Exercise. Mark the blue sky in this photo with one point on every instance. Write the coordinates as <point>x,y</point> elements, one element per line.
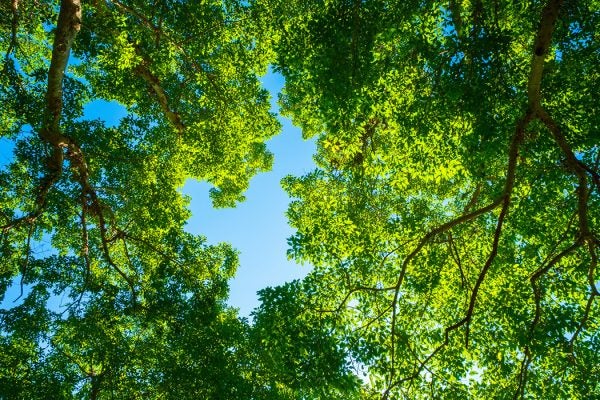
<point>257,228</point>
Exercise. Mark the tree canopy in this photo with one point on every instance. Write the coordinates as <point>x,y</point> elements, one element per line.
<point>146,317</point>
<point>452,221</point>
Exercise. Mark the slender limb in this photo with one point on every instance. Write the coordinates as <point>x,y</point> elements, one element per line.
<point>469,315</point>
<point>84,253</point>
<point>456,257</point>
<point>520,392</point>
<point>522,377</point>
<point>584,319</point>
<point>106,250</point>
<point>474,198</point>
<point>353,290</point>
<point>150,246</point>
<point>26,261</point>
<point>542,44</point>
<point>85,248</point>
<point>374,319</point>
<point>541,272</point>
<point>592,268</point>
<point>593,294</point>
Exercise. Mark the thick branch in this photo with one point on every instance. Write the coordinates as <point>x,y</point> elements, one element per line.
<point>575,167</point>
<point>541,47</point>
<point>14,8</point>
<point>67,27</point>
<point>143,70</point>
<point>159,32</point>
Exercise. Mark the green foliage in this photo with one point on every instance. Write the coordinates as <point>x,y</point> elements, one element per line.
<point>453,219</point>
<point>124,302</point>
<point>298,352</point>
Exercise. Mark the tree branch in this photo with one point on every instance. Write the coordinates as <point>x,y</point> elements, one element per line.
<point>26,261</point>
<point>584,319</point>
<point>542,44</point>
<point>541,272</point>
<point>592,268</point>
<point>456,257</point>
<point>523,374</point>
<point>143,70</point>
<point>574,165</point>
<point>14,7</point>
<point>67,27</point>
<point>160,32</point>
<point>503,199</point>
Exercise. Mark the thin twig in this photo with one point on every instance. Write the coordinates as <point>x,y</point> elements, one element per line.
<point>26,261</point>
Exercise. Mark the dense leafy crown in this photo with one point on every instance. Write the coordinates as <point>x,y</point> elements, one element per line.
<point>141,310</point>
<point>452,222</point>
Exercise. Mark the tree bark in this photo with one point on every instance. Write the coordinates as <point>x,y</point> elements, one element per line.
<point>67,27</point>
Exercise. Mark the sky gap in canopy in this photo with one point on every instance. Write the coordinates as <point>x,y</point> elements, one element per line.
<point>257,228</point>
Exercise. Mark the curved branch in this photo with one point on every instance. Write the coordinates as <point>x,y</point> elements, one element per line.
<point>592,171</point>
<point>542,44</point>
<point>67,27</point>
<point>541,272</point>
<point>484,270</point>
<point>143,70</point>
<point>574,165</point>
<point>503,199</point>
